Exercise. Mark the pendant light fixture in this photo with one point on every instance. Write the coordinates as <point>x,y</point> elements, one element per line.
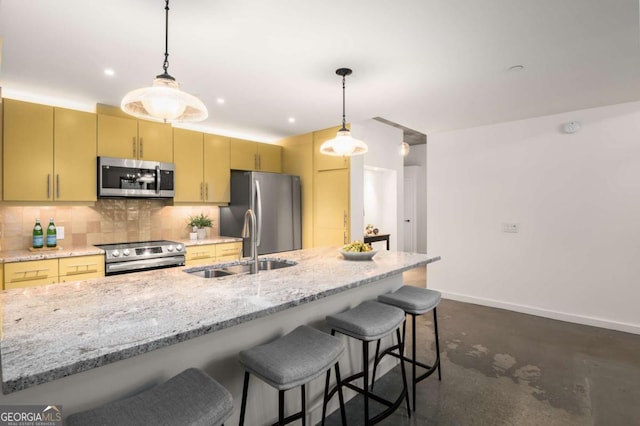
<point>343,145</point>
<point>164,101</point>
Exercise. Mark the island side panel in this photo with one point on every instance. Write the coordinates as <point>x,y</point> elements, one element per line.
<point>217,354</point>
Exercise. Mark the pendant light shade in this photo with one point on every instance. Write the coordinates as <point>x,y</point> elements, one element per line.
<point>164,101</point>
<point>343,145</point>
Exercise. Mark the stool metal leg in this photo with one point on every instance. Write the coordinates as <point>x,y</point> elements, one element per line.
<point>281,408</point>
<point>404,373</point>
<point>245,389</point>
<point>413,359</point>
<point>365,364</point>
<point>343,412</point>
<point>435,327</point>
<point>375,364</point>
<point>304,406</point>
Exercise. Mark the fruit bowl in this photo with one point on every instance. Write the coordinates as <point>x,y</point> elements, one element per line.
<point>355,255</point>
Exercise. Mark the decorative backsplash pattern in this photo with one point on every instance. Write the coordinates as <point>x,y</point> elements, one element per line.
<point>108,221</point>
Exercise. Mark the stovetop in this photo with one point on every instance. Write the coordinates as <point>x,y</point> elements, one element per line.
<point>121,252</point>
<point>137,244</point>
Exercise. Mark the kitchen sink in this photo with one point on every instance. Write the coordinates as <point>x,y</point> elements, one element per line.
<point>240,268</point>
<point>211,273</point>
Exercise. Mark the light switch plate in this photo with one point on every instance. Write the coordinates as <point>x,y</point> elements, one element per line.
<point>60,232</point>
<point>511,227</point>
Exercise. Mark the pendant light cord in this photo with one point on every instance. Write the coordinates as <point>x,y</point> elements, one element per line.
<point>165,65</point>
<point>344,121</point>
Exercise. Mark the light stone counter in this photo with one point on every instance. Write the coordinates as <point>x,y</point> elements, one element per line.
<point>65,338</point>
<point>59,330</point>
<point>210,240</point>
<point>27,255</point>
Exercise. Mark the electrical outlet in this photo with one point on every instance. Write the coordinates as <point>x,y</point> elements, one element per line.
<point>511,227</point>
<point>60,232</point>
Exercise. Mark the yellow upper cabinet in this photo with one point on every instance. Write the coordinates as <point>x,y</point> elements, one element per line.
<point>249,155</point>
<point>74,165</point>
<point>28,151</point>
<point>187,157</point>
<point>59,144</point>
<point>217,171</point>
<point>155,141</point>
<point>327,162</point>
<point>124,137</point>
<point>269,158</point>
<point>117,137</point>
<point>202,167</point>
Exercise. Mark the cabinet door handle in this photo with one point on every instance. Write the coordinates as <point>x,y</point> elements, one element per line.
<point>201,191</point>
<point>206,191</point>
<point>134,147</point>
<point>259,162</point>
<point>344,237</point>
<point>48,186</point>
<point>345,218</point>
<point>141,148</point>
<point>57,186</point>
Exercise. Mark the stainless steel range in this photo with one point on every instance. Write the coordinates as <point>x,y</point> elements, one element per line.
<point>141,256</point>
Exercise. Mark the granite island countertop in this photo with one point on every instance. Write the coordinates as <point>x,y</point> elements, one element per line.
<point>57,330</point>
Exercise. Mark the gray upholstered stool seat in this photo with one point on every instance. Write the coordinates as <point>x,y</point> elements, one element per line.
<point>291,361</point>
<point>190,398</point>
<point>413,300</point>
<point>368,321</point>
<point>294,359</point>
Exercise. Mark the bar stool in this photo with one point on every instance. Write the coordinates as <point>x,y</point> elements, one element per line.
<point>190,398</point>
<point>368,322</point>
<point>291,361</point>
<point>414,301</point>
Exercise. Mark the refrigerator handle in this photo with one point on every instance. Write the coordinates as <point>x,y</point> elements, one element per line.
<point>259,210</point>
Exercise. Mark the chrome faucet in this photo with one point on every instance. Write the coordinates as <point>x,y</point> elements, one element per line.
<point>250,232</point>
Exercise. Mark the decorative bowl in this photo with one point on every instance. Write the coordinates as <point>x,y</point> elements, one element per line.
<point>354,255</point>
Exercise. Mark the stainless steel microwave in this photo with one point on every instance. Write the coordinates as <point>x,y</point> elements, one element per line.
<point>120,177</point>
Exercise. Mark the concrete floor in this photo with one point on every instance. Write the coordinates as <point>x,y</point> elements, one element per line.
<point>506,368</point>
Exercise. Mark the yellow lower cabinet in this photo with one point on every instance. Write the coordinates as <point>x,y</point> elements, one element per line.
<point>81,268</point>
<point>31,273</point>
<point>2,275</point>
<point>200,254</point>
<point>228,252</point>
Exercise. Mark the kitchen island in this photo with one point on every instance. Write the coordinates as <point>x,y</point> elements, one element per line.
<point>158,323</point>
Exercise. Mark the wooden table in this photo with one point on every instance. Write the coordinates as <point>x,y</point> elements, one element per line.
<point>379,237</point>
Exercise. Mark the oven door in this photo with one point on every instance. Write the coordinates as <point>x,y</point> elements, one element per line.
<point>143,264</point>
<point>119,177</point>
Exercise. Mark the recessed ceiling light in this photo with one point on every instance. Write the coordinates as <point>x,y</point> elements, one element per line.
<point>292,120</point>
<point>516,68</point>
<point>220,101</point>
<point>109,72</point>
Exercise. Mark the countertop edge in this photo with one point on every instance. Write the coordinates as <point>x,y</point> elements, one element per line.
<point>88,364</point>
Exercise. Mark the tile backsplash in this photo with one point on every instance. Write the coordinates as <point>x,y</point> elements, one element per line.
<point>108,221</point>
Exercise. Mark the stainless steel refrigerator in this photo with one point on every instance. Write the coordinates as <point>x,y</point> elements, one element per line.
<point>275,199</point>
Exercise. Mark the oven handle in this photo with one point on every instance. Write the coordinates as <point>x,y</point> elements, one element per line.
<point>144,263</point>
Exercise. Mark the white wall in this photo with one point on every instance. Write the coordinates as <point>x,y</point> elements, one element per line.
<point>418,157</point>
<point>576,197</point>
<point>384,144</point>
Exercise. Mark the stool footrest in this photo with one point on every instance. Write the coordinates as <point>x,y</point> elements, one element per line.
<point>430,368</point>
<point>391,405</point>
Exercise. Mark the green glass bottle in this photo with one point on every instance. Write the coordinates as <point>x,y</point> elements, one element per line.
<point>52,237</point>
<point>37,235</point>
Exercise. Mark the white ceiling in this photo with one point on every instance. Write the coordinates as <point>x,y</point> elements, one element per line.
<point>430,65</point>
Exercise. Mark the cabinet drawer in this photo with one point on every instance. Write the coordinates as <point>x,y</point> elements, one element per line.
<point>228,251</point>
<point>201,252</point>
<point>81,265</point>
<point>30,274</point>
